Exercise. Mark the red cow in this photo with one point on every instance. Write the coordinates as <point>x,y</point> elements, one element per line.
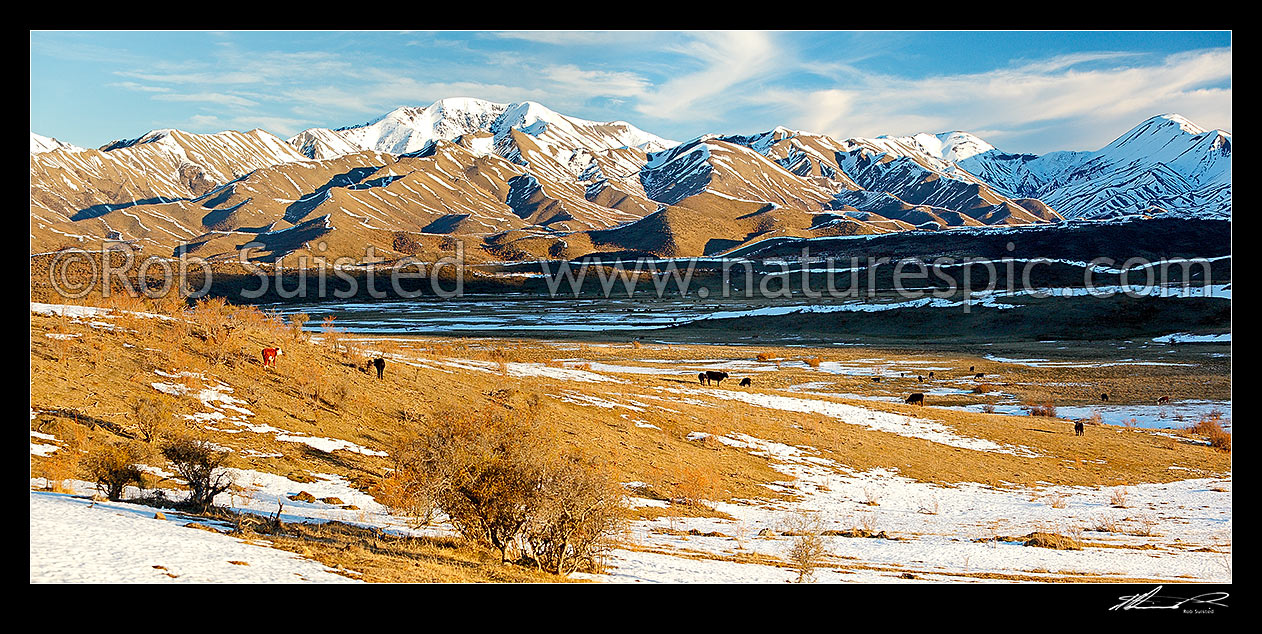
<point>269,356</point>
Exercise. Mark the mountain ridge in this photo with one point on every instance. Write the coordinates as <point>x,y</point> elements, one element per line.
<point>523,180</point>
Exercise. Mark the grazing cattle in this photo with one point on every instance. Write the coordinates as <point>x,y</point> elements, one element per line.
<point>931,374</point>
<point>702,379</point>
<point>920,378</point>
<point>1165,400</point>
<point>714,376</point>
<point>380,364</point>
<point>876,379</point>
<point>1104,397</point>
<point>269,356</point>
<point>978,375</point>
<point>1078,429</point>
<point>746,382</point>
<point>970,368</point>
<point>916,399</point>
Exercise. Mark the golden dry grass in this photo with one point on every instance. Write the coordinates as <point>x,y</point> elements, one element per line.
<point>86,386</point>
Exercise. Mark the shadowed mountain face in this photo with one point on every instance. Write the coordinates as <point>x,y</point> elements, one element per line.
<point>519,181</point>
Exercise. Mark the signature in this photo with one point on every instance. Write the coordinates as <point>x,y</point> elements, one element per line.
<point>1152,601</point>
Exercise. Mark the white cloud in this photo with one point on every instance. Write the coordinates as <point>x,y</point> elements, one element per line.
<point>1093,105</point>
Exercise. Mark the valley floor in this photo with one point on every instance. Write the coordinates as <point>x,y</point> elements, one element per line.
<point>716,477</point>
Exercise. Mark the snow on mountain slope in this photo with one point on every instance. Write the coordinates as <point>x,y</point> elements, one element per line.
<point>40,143</point>
<point>1165,161</point>
<point>411,129</point>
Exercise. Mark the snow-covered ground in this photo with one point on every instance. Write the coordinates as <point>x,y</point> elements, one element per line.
<point>940,533</point>
<point>74,540</point>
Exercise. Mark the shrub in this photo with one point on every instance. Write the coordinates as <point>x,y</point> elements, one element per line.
<point>579,513</point>
<point>296,322</point>
<point>203,465</point>
<point>813,362</point>
<point>484,470</point>
<point>1210,426</point>
<point>808,549</point>
<point>1046,409</point>
<point>1118,498</point>
<point>152,417</point>
<point>693,486</point>
<point>113,466</point>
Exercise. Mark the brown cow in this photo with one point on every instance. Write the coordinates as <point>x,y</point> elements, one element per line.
<point>380,364</point>
<point>916,399</point>
<point>269,356</point>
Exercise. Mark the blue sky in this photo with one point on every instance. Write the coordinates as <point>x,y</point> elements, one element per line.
<point>1022,91</point>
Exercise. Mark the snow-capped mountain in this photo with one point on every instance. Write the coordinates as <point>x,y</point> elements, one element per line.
<point>1166,161</point>
<point>410,129</point>
<point>40,143</point>
<point>522,181</point>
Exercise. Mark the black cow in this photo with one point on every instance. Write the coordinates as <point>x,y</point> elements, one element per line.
<point>1078,429</point>
<point>931,374</point>
<point>380,364</point>
<point>746,382</point>
<point>1104,397</point>
<point>978,375</point>
<point>970,368</point>
<point>714,376</point>
<point>916,399</point>
<point>876,379</point>
<point>920,378</point>
<point>702,379</point>
<point>1165,400</point>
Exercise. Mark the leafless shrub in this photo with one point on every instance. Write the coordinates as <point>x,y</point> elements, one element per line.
<point>1045,409</point>
<point>203,465</point>
<point>1118,498</point>
<point>152,417</point>
<point>1211,427</point>
<point>808,549</point>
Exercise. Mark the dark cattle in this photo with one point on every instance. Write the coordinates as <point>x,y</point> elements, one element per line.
<point>1104,397</point>
<point>746,382</point>
<point>931,375</point>
<point>876,379</point>
<point>1165,400</point>
<point>715,377</point>
<point>380,364</point>
<point>1078,429</point>
<point>978,375</point>
<point>920,378</point>
<point>916,399</point>
<point>970,368</point>
<point>702,379</point>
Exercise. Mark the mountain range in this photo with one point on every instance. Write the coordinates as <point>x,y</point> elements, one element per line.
<point>520,181</point>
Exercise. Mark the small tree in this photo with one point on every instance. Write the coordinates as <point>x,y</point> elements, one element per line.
<point>203,465</point>
<point>113,466</point>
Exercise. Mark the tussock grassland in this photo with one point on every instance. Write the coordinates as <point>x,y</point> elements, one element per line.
<point>97,381</point>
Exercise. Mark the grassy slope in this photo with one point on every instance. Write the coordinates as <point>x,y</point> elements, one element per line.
<point>321,392</point>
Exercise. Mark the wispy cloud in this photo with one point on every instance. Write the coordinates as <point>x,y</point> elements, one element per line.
<point>1011,103</point>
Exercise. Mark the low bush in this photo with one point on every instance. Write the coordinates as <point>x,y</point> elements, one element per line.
<point>112,467</point>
